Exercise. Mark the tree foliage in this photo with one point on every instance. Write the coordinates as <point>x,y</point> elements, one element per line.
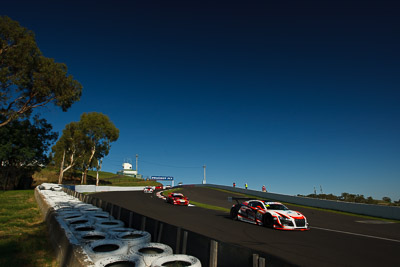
<point>84,143</point>
<point>23,150</point>
<point>28,79</point>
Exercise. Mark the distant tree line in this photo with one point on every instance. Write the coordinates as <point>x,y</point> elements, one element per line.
<point>356,198</point>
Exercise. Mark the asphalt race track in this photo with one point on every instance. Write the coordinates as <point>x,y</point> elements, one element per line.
<point>333,240</point>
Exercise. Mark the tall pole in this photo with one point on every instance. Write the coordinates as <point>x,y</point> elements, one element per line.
<point>137,156</point>
<point>204,180</point>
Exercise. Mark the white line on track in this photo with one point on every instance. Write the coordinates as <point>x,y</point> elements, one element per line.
<point>349,233</point>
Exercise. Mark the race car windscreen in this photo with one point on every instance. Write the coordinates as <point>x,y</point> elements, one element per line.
<point>275,206</point>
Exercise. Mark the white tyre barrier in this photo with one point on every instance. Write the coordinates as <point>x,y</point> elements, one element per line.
<point>134,238</point>
<point>69,214</point>
<point>151,251</point>
<point>66,209</point>
<point>106,241</point>
<point>83,206</point>
<point>46,186</point>
<point>117,230</point>
<point>80,229</point>
<point>62,206</point>
<point>106,248</point>
<point>120,261</point>
<point>91,209</point>
<point>56,188</point>
<point>108,224</point>
<point>82,220</point>
<point>89,237</point>
<point>100,216</point>
<point>176,260</point>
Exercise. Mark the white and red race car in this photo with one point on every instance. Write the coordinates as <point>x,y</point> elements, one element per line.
<point>148,189</point>
<point>270,214</point>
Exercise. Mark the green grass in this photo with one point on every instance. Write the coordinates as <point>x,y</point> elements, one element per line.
<point>23,234</point>
<point>166,192</point>
<point>210,207</point>
<point>50,175</point>
<point>102,175</point>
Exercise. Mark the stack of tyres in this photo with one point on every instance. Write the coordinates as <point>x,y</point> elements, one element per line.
<point>103,239</point>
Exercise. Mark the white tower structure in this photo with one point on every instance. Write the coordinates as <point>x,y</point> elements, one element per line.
<point>127,169</point>
<point>204,179</point>
<point>137,156</point>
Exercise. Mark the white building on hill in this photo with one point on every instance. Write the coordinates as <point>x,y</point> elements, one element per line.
<point>127,170</point>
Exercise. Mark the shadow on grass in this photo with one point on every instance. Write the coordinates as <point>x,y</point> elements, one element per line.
<point>27,249</point>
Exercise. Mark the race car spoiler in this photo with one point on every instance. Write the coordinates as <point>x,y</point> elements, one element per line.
<point>237,199</point>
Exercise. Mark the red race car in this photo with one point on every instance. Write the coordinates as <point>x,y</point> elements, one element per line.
<point>177,199</point>
<point>159,187</point>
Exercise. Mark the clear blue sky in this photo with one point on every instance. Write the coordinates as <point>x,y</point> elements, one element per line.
<point>288,94</point>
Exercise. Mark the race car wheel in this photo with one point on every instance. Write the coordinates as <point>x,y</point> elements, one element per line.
<point>234,213</point>
<point>268,221</point>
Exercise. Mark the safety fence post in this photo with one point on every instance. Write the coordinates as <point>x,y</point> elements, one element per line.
<point>160,229</point>
<point>130,219</point>
<point>143,226</point>
<point>213,254</point>
<point>261,262</point>
<point>255,260</point>
<point>184,242</point>
<point>178,240</point>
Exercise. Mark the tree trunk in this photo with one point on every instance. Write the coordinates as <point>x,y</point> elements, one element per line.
<point>83,174</point>
<point>72,162</point>
<point>98,169</point>
<point>88,165</point>
<point>5,179</point>
<point>61,170</point>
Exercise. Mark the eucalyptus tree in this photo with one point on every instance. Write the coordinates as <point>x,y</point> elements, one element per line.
<point>27,78</point>
<point>84,143</point>
<point>100,132</point>
<point>69,149</point>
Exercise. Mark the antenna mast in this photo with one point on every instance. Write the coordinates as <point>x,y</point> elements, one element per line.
<point>204,180</point>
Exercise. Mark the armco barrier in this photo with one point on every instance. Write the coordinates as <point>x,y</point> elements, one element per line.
<point>210,252</point>
<point>388,212</point>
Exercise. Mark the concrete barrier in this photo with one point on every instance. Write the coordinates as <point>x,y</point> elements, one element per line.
<point>93,188</point>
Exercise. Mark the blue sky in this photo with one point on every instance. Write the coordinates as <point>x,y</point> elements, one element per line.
<point>288,94</point>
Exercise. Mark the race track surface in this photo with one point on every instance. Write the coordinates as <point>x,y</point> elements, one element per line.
<point>333,240</point>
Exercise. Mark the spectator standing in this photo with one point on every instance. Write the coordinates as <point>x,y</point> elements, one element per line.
<point>245,185</point>
<point>234,184</point>
<point>264,189</point>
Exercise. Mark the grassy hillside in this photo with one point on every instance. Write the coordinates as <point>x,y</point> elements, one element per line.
<point>50,175</point>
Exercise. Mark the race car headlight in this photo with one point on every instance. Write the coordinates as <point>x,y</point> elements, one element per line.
<point>285,221</point>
